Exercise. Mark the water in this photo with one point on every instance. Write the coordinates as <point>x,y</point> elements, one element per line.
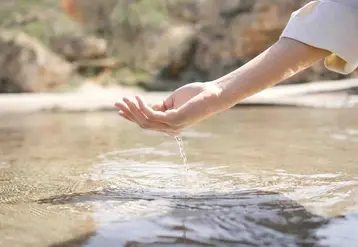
<point>258,177</point>
<point>180,142</point>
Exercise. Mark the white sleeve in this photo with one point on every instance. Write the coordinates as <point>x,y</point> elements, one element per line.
<point>331,26</point>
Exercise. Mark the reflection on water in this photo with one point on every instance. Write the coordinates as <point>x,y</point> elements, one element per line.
<point>258,177</point>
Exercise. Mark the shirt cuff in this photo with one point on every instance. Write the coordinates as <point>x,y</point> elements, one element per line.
<point>331,26</point>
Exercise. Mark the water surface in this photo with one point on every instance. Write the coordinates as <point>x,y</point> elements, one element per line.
<point>257,177</point>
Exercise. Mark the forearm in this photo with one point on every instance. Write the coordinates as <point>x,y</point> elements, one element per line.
<point>281,61</point>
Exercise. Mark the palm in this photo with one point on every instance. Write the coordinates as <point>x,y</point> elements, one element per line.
<point>164,116</point>
<point>183,95</point>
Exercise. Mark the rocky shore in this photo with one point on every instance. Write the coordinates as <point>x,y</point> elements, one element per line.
<point>57,45</point>
<point>91,97</point>
<point>83,55</point>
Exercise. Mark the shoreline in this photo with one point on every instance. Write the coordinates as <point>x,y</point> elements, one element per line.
<point>91,97</point>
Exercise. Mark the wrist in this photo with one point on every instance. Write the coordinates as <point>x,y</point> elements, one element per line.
<point>225,92</point>
<point>213,97</point>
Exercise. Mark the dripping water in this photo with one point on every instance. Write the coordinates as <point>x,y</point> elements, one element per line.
<point>179,140</point>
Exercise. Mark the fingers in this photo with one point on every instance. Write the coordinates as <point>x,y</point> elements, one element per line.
<point>159,107</point>
<point>125,116</point>
<point>169,133</point>
<point>125,110</point>
<point>166,105</point>
<point>152,115</point>
<point>152,118</point>
<point>137,116</point>
<point>145,109</point>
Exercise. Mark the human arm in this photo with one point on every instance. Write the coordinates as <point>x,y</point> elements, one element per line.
<point>188,105</point>
<point>321,29</point>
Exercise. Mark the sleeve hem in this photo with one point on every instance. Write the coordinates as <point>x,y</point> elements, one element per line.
<point>330,26</point>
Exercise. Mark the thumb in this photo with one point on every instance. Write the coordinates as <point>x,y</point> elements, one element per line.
<point>165,105</point>
<point>159,107</point>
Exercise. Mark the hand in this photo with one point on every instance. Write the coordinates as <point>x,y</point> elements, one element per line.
<point>186,106</point>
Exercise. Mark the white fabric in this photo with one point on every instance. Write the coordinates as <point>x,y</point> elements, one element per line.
<point>351,3</point>
<point>331,25</point>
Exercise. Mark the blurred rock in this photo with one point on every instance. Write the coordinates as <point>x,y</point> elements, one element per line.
<point>93,14</point>
<point>173,53</point>
<point>28,66</point>
<point>222,36</point>
<point>229,34</point>
<point>233,32</point>
<point>75,48</point>
<point>159,45</point>
<point>174,48</point>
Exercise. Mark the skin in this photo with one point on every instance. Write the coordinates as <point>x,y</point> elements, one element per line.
<point>195,102</point>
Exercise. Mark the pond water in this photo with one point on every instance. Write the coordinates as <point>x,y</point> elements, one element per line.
<point>256,177</point>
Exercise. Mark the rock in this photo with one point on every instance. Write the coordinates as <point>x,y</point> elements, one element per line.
<point>236,31</point>
<point>173,50</point>
<point>93,14</point>
<point>75,48</point>
<point>169,57</point>
<point>28,66</point>
<point>20,20</point>
<point>197,40</point>
<point>222,35</point>
<point>228,34</point>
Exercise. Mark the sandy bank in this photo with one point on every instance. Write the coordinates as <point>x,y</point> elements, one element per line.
<point>90,97</point>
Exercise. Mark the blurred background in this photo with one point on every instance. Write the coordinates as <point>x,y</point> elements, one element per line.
<point>156,45</point>
<point>277,176</point>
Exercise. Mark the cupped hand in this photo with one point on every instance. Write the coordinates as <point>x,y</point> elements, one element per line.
<point>185,107</point>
